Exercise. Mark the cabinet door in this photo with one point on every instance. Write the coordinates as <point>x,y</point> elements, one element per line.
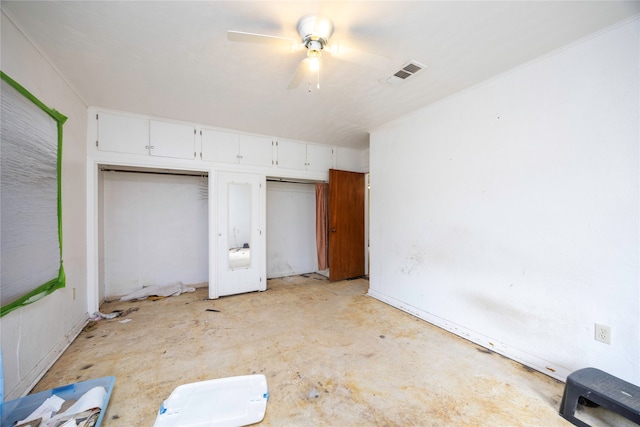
<point>218,146</point>
<point>172,140</point>
<point>319,158</point>
<point>292,155</point>
<point>256,150</point>
<point>122,134</point>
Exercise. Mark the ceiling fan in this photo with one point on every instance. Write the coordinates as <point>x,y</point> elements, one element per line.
<point>315,32</point>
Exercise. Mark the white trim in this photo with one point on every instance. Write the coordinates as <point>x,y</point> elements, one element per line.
<point>213,230</point>
<point>93,302</point>
<point>529,360</point>
<point>93,238</point>
<point>29,381</point>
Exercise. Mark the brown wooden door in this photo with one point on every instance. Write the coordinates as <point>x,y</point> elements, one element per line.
<point>346,224</point>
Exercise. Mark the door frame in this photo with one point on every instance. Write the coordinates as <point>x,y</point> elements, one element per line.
<point>94,296</point>
<point>367,190</point>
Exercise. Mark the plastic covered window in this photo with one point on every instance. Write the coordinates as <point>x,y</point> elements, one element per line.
<point>30,226</point>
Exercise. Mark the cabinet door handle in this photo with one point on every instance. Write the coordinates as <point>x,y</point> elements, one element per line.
<point>333,230</point>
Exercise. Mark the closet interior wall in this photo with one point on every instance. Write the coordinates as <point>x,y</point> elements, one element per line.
<point>153,229</point>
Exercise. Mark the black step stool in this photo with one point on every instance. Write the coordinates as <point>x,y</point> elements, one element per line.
<point>603,389</point>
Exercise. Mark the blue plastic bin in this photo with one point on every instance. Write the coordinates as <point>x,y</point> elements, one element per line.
<point>19,409</point>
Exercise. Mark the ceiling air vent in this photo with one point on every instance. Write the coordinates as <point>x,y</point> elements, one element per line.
<point>408,70</point>
<point>402,74</point>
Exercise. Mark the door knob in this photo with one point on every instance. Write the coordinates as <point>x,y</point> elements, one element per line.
<point>333,230</point>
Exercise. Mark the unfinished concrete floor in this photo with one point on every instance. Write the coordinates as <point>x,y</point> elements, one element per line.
<point>332,357</point>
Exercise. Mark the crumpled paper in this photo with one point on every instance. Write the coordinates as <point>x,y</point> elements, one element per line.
<point>170,290</point>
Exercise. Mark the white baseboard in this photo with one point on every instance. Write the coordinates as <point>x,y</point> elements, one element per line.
<point>530,360</point>
<point>31,379</point>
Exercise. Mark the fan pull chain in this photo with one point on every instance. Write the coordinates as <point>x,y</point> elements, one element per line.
<point>317,82</point>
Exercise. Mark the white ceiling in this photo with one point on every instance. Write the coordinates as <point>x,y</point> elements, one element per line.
<point>173,59</point>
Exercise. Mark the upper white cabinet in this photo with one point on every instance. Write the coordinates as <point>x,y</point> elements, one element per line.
<point>227,147</point>
<point>319,158</point>
<point>218,146</point>
<point>122,134</point>
<point>134,135</point>
<point>292,155</point>
<point>172,140</point>
<point>301,156</point>
<point>256,150</point>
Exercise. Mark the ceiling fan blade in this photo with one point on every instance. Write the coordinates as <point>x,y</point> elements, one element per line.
<point>241,36</point>
<point>359,57</point>
<point>301,71</point>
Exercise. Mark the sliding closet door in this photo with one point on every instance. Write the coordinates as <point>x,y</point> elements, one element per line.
<point>241,209</point>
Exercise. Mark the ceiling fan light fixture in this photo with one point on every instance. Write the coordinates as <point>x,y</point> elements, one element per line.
<point>314,63</point>
<point>324,27</point>
<point>314,49</point>
<point>315,32</point>
<point>313,28</point>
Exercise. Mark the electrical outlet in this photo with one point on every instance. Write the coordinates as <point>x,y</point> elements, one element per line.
<point>603,334</point>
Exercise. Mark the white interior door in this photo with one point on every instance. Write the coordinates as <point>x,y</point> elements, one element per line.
<point>241,207</point>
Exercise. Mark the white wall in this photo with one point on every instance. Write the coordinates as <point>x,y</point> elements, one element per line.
<point>291,225</point>
<point>352,160</point>
<point>509,213</point>
<point>155,231</point>
<point>34,336</point>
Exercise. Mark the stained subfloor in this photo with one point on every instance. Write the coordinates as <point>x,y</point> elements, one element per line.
<point>332,357</point>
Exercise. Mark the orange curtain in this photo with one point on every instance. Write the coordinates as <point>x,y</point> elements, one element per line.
<point>322,224</point>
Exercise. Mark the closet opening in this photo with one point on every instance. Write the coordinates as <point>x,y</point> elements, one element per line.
<point>156,226</point>
<point>153,229</point>
<point>291,228</point>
